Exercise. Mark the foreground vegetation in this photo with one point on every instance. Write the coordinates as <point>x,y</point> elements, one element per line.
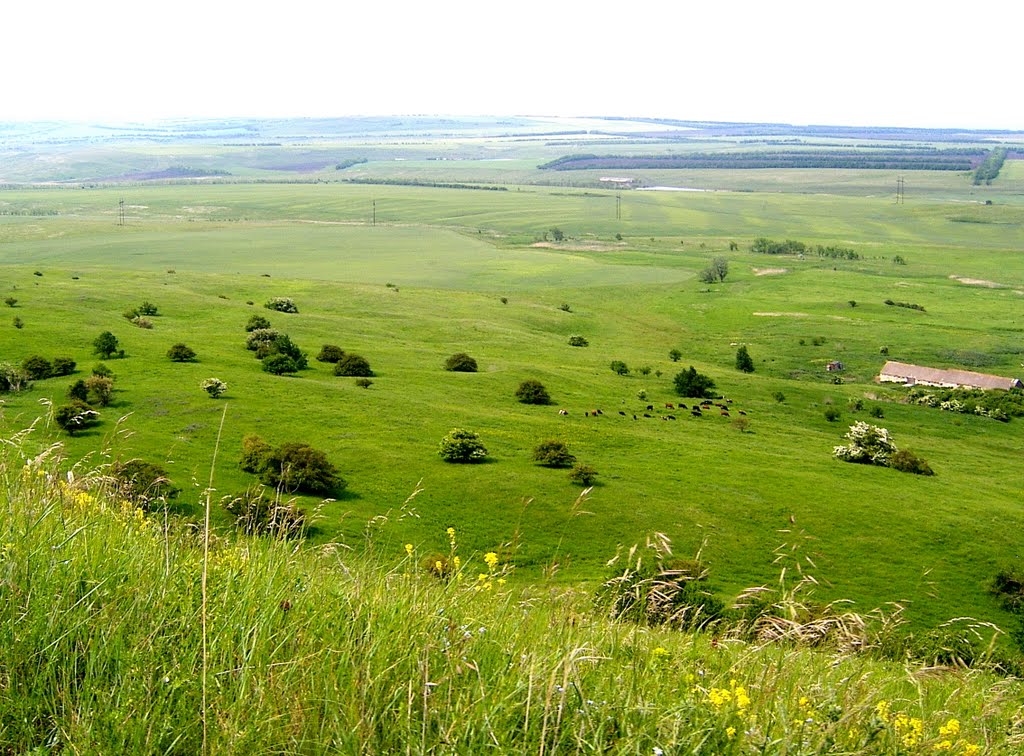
<point>128,632</point>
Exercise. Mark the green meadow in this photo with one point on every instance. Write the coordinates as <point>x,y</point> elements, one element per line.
<point>407,276</point>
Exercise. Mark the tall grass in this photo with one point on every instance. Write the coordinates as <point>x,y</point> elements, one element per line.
<point>317,650</point>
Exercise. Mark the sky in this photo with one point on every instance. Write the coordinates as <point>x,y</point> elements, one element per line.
<point>895,63</point>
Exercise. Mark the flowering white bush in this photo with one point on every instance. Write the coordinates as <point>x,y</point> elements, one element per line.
<point>215,387</point>
<point>281,304</point>
<point>869,445</point>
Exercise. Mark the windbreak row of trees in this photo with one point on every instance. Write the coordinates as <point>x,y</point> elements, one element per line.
<point>989,169</point>
<point>957,159</point>
<point>765,246</point>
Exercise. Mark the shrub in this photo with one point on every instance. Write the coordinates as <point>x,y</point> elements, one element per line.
<point>257,322</point>
<point>259,337</point>
<point>619,367</point>
<point>504,300</point>
<point>18,322</point>
<point>100,389</point>
<point>281,304</point>
<point>75,416</point>
<point>181,353</point>
<point>675,355</point>
<point>330,353</point>
<point>10,301</point>
<point>460,362</point>
<point>532,391</point>
<point>37,368</point>
<point>142,322</point>
<point>779,397</point>
<point>215,387</point>
<point>13,378</point>
<point>876,411</point>
<point>831,414</point>
<point>557,234</point>
<point>461,446</point>
<point>564,307</point>
<point>578,341</point>
<point>63,366</point>
<point>102,370</point>
<point>105,345</point>
<point>279,364</point>
<point>256,513</point>
<point>869,444</point>
<point>353,365</point>
<point>644,370</point>
<point>291,467</point>
<point>78,391</point>
<point>583,475</point>
<point>284,345</point>
<point>907,461</point>
<point>142,482</point>
<point>364,383</point>
<point>694,384</point>
<point>147,308</point>
<point>744,362</point>
<point>553,453</point>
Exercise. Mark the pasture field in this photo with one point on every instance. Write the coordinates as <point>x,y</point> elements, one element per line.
<point>203,253</point>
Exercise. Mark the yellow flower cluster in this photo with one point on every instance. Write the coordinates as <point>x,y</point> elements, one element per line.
<point>491,559</point>
<point>451,536</point>
<point>908,729</point>
<point>735,694</point>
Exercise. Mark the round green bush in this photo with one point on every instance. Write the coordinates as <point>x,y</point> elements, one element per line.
<point>461,446</point>
<point>460,362</point>
<point>532,391</point>
<point>181,353</point>
<point>279,364</point>
<point>553,453</point>
<point>354,366</point>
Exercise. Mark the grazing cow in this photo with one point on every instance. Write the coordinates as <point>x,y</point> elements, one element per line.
<point>695,412</point>
<point>724,413</point>
<point>670,406</point>
<point>622,413</point>
<point>650,407</point>
<point>728,401</point>
<point>671,417</point>
<point>646,415</point>
<point>634,417</point>
<point>597,412</point>
<point>683,406</point>
<point>743,413</point>
<point>563,412</point>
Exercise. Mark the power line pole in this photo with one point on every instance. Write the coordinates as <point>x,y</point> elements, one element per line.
<point>374,213</point>
<point>899,191</point>
<point>120,212</point>
<point>618,207</point>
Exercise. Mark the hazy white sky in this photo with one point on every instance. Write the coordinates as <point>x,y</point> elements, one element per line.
<point>894,63</point>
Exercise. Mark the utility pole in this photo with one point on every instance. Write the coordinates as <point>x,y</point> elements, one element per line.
<point>120,212</point>
<point>618,207</point>
<point>899,191</point>
<point>374,213</point>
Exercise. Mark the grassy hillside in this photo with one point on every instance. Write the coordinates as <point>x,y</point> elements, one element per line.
<point>450,255</point>
<point>122,632</point>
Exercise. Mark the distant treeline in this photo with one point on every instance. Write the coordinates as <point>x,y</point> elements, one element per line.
<point>991,166</point>
<point>921,159</point>
<point>790,247</point>
<point>418,182</point>
<point>349,163</point>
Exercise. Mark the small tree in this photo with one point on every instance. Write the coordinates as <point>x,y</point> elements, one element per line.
<point>38,368</point>
<point>675,355</point>
<point>100,389</point>
<point>330,353</point>
<point>694,384</point>
<point>583,475</point>
<point>532,391</point>
<point>716,271</point>
<point>75,416</point>
<point>578,341</point>
<point>105,345</point>
<point>295,467</point>
<point>181,353</point>
<point>744,362</point>
<point>461,446</point>
<point>553,453</point>
<point>460,362</point>
<point>13,378</point>
<point>556,234</point>
<point>147,308</point>
<point>102,370</point>
<point>353,365</point>
<point>619,367</point>
<point>215,387</point>
<point>10,301</point>
<point>143,483</point>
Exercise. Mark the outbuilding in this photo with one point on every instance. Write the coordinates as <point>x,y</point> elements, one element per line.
<point>917,375</point>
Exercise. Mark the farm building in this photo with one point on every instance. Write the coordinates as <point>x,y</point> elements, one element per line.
<point>916,375</point>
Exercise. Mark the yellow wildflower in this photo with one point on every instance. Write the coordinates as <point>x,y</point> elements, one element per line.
<point>730,732</point>
<point>882,709</point>
<point>950,729</point>
<point>971,750</point>
<point>805,702</point>
<point>742,699</point>
<point>458,562</point>
<point>451,536</point>
<point>719,696</point>
<point>438,566</point>
<point>908,729</point>
<point>491,559</point>
<point>945,745</point>
<point>502,581</point>
<point>408,549</point>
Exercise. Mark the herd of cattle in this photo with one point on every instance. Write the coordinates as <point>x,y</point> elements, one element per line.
<point>697,410</point>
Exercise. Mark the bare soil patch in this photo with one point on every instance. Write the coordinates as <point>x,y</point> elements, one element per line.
<point>577,247</point>
<point>979,282</point>
<point>769,271</point>
<point>781,314</point>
